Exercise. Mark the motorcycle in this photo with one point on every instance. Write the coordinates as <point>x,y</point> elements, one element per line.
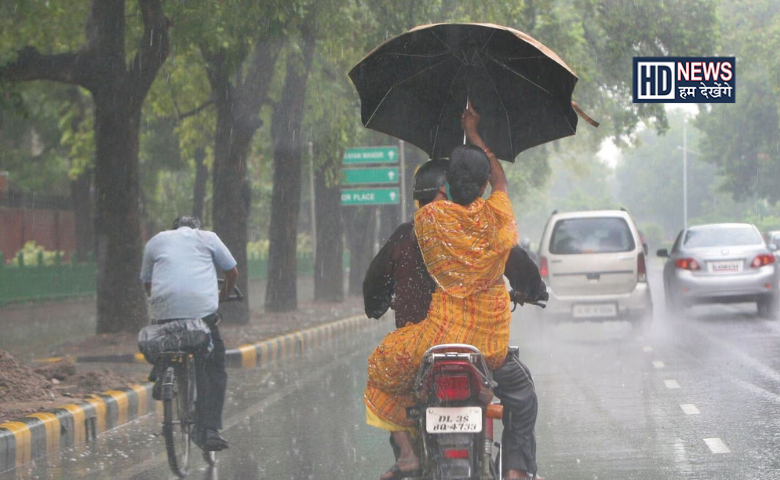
<point>455,412</point>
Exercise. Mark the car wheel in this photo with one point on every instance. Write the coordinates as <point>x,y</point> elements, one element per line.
<point>768,307</point>
<point>674,304</point>
<point>641,323</point>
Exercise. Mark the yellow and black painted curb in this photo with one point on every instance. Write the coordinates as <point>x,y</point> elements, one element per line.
<point>253,354</point>
<point>294,343</point>
<point>42,433</point>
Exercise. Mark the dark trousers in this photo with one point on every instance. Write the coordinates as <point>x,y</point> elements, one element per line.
<point>211,380</point>
<point>516,391</point>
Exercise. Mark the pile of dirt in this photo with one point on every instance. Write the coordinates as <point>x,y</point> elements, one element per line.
<point>58,370</point>
<point>24,390</point>
<point>96,381</point>
<point>20,383</point>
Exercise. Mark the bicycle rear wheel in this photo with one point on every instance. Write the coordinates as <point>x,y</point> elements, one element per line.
<point>177,424</point>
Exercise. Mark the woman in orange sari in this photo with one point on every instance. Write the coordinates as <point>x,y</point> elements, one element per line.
<point>465,244</point>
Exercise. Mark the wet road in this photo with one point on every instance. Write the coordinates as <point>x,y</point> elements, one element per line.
<point>696,397</point>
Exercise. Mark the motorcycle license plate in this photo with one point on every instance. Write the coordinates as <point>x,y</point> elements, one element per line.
<point>453,419</point>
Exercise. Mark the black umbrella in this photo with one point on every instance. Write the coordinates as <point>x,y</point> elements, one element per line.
<point>416,85</point>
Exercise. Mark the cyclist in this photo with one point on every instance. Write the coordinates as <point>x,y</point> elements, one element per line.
<point>179,272</point>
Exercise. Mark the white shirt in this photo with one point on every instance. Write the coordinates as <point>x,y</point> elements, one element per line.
<point>180,265</point>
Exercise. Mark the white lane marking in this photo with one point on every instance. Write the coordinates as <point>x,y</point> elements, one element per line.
<point>647,349</point>
<point>690,409</point>
<point>716,445</point>
<point>659,364</point>
<point>671,384</point>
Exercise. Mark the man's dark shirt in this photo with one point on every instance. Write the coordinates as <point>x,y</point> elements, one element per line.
<point>398,277</point>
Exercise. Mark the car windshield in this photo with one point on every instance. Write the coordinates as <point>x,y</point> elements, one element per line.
<point>721,237</point>
<point>591,235</point>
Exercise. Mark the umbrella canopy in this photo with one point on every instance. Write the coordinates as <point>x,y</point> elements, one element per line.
<point>415,86</point>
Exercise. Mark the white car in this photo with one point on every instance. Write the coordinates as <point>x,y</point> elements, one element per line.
<point>594,266</point>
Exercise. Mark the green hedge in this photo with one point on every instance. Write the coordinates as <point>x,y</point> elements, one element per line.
<point>52,282</point>
<point>24,284</point>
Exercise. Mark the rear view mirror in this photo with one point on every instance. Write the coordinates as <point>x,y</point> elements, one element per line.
<point>662,253</point>
<point>772,247</point>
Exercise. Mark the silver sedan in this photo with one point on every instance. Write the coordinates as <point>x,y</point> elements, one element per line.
<point>721,263</point>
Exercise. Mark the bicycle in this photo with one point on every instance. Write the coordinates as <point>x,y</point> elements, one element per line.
<point>179,396</point>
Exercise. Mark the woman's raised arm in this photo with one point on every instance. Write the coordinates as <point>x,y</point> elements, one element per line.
<point>470,121</point>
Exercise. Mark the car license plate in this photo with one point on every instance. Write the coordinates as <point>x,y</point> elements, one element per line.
<point>595,310</point>
<point>725,267</point>
<point>453,419</point>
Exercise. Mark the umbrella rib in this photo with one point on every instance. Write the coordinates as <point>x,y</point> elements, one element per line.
<point>400,83</point>
<point>441,112</point>
<point>544,57</point>
<point>418,56</point>
<point>484,46</point>
<point>506,113</point>
<point>573,129</point>
<point>495,60</point>
<point>440,40</point>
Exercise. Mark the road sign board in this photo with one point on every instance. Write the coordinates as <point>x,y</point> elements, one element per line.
<point>356,176</point>
<point>371,155</point>
<point>370,196</point>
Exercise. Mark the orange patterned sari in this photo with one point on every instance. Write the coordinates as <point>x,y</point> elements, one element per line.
<point>465,250</point>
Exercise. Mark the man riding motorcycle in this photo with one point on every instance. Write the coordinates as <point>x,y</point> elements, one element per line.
<point>398,278</point>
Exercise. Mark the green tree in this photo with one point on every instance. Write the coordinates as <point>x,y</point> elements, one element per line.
<point>740,139</point>
<point>97,60</point>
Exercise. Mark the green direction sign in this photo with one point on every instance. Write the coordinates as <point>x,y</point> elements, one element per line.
<point>356,176</point>
<point>370,196</point>
<point>371,155</point>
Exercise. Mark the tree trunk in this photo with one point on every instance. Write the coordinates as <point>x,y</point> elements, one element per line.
<point>238,107</point>
<point>81,203</point>
<point>201,178</point>
<point>361,228</point>
<point>287,120</point>
<point>121,303</point>
<point>329,261</point>
<point>230,209</point>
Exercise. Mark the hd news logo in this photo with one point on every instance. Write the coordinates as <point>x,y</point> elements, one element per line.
<point>684,80</point>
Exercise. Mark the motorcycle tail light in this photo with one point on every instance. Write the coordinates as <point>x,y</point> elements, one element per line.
<point>762,260</point>
<point>452,453</point>
<point>453,387</point>
<point>495,411</point>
